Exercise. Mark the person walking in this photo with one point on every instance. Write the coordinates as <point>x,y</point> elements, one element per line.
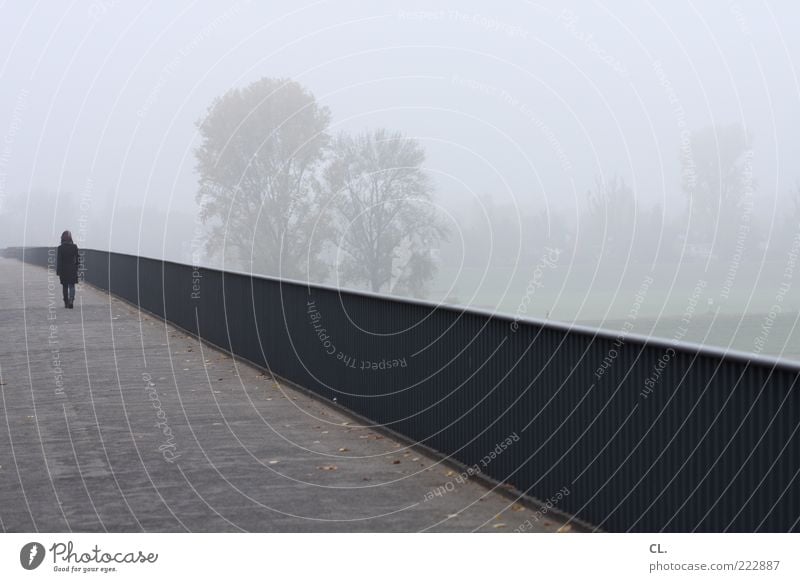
<point>67,267</point>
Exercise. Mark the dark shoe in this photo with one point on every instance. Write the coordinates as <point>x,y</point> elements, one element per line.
<point>70,305</point>
<point>66,303</point>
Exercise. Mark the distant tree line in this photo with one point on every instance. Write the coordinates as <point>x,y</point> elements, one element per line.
<point>612,226</point>
<point>281,195</point>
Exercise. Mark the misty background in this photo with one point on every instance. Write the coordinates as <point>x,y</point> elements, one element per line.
<point>627,165</point>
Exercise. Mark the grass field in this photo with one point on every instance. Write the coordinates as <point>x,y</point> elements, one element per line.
<point>750,307</point>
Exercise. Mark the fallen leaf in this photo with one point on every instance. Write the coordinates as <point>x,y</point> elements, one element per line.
<point>499,525</point>
<point>328,468</point>
<point>343,450</point>
<point>564,528</point>
<point>396,462</point>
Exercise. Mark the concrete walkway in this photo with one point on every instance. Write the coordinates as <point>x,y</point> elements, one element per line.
<point>111,420</point>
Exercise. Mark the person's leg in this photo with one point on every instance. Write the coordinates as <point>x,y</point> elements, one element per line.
<point>71,293</point>
<point>64,292</point>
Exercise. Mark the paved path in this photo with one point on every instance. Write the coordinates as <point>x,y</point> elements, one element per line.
<point>111,420</point>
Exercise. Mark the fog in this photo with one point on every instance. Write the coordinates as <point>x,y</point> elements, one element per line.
<point>631,165</point>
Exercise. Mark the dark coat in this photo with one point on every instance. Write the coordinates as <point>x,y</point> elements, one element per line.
<point>67,263</point>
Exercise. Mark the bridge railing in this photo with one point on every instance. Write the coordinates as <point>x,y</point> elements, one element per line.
<point>627,433</point>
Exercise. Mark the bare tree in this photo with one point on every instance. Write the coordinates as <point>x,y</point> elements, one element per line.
<point>382,198</point>
<point>260,161</point>
<point>716,176</point>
